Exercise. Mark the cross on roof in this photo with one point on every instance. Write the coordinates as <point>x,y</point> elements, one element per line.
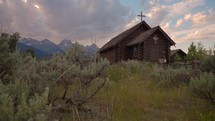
<point>141,16</point>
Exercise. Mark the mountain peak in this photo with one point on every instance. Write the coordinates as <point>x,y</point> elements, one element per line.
<point>44,45</point>
<point>49,47</point>
<point>46,41</point>
<point>92,48</point>
<point>64,44</point>
<point>94,45</point>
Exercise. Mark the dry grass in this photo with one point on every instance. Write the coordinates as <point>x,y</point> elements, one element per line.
<point>136,97</point>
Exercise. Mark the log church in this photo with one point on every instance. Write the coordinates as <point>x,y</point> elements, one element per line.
<point>140,42</point>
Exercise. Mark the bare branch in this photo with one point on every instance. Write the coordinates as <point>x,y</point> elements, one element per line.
<point>66,87</point>
<point>99,72</point>
<point>79,62</point>
<point>63,74</point>
<point>94,93</point>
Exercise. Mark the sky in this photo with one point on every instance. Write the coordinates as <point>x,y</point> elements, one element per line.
<point>97,21</point>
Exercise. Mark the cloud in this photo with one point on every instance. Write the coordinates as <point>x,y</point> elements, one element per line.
<point>59,19</point>
<point>203,18</point>
<point>131,23</point>
<point>100,20</point>
<point>84,17</point>
<point>182,21</point>
<point>159,13</point>
<point>23,17</point>
<point>183,7</point>
<point>198,19</point>
<point>179,22</point>
<point>148,4</point>
<point>195,34</point>
<point>6,17</point>
<point>166,26</point>
<point>187,16</point>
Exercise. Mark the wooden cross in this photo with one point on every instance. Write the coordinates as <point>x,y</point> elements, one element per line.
<point>155,38</point>
<point>141,16</point>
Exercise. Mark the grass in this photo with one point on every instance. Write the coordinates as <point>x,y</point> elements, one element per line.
<point>136,97</point>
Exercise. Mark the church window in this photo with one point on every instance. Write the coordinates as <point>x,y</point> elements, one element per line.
<point>134,52</point>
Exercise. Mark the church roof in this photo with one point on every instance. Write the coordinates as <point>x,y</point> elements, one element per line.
<point>113,42</point>
<point>143,36</point>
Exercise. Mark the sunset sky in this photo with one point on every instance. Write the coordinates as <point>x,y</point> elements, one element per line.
<point>88,21</point>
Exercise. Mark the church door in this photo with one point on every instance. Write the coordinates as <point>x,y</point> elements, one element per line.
<point>155,53</point>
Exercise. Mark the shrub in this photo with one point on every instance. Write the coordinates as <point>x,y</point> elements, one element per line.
<point>208,64</point>
<point>129,68</point>
<point>17,101</point>
<point>173,77</point>
<point>134,67</point>
<point>204,86</point>
<point>16,104</point>
<point>8,58</point>
<point>116,72</point>
<point>76,78</point>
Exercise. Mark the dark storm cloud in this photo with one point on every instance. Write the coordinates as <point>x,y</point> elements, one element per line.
<point>58,19</point>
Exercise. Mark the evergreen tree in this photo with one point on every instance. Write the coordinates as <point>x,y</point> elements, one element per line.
<point>196,52</point>
<point>201,51</point>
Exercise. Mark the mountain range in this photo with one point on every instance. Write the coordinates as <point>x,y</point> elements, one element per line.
<point>46,48</point>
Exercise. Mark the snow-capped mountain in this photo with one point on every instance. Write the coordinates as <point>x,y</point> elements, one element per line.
<point>38,53</point>
<point>45,45</point>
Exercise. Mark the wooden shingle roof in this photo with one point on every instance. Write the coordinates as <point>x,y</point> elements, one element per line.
<point>113,42</point>
<point>143,36</point>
